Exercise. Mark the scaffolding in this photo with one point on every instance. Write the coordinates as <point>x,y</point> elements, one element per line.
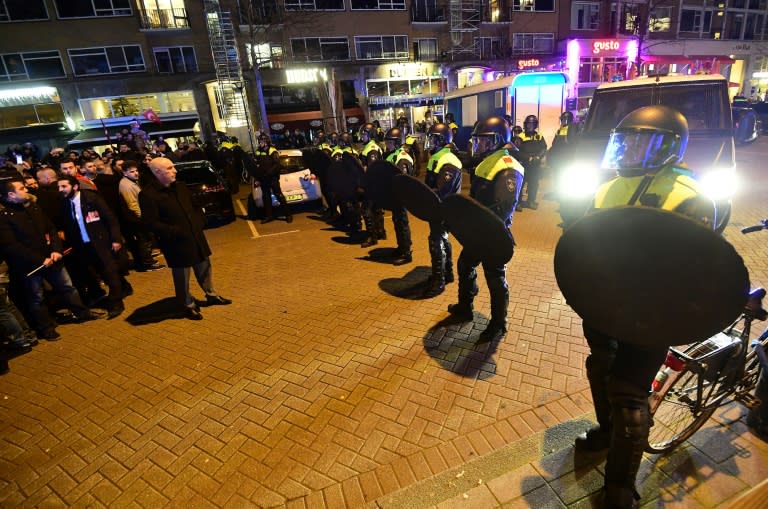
<point>465,17</point>
<point>230,90</point>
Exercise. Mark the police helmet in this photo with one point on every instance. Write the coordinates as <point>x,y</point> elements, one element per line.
<point>264,140</point>
<point>367,129</point>
<point>449,117</point>
<point>490,135</point>
<point>393,139</point>
<point>333,139</point>
<point>517,130</point>
<point>566,118</point>
<point>530,124</point>
<point>439,135</point>
<point>345,140</point>
<point>646,140</point>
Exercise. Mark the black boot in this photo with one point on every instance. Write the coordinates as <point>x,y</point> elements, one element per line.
<point>370,241</point>
<point>462,311</point>
<point>448,260</point>
<point>493,332</point>
<point>436,282</point>
<point>401,258</point>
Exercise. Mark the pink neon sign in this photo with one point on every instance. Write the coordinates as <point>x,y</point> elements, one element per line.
<point>600,46</point>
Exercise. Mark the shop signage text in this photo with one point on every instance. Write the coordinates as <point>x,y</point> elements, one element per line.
<point>305,75</point>
<point>600,46</point>
<point>407,72</point>
<point>527,64</point>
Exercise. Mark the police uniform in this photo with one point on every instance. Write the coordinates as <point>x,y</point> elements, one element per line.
<point>404,162</point>
<point>496,184</point>
<point>268,161</point>
<point>443,175</point>
<point>532,149</point>
<point>620,373</point>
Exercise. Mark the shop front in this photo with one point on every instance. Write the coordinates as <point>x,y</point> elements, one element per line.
<point>33,114</point>
<point>406,95</point>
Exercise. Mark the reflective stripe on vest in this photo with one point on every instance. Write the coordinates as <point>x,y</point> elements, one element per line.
<point>496,162</point>
<point>371,145</point>
<point>442,157</point>
<point>269,152</point>
<point>672,185</point>
<point>530,137</point>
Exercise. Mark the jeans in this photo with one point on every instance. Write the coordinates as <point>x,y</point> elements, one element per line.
<point>58,277</point>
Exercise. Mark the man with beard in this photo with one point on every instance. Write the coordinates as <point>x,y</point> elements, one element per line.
<point>28,240</point>
<point>94,233</point>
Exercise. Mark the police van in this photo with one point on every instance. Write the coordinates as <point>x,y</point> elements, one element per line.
<point>702,99</point>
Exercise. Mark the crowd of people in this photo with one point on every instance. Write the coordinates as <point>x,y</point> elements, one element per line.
<point>75,223</point>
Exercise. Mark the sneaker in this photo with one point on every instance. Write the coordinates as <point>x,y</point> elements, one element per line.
<point>149,268</point>
<point>20,345</point>
<point>593,440</point>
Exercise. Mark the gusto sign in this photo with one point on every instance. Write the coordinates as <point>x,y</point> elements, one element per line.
<point>600,46</point>
<point>527,64</point>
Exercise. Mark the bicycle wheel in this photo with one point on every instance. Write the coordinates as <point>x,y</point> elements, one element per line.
<point>678,412</point>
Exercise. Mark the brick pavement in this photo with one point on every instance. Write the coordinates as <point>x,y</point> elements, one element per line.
<point>323,385</point>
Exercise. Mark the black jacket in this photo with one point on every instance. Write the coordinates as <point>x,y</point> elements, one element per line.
<point>100,222</point>
<point>27,237</point>
<point>169,213</point>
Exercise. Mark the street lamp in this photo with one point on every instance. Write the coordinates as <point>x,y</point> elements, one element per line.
<point>240,87</point>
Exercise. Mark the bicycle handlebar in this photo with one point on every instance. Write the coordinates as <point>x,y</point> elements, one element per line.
<point>762,226</point>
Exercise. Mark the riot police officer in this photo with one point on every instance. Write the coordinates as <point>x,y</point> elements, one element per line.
<point>443,176</point>
<point>398,154</point>
<point>645,149</point>
<point>496,183</point>
<point>517,131</point>
<point>558,151</point>
<point>532,150</point>
<point>268,164</point>
<point>452,125</point>
<point>373,215</point>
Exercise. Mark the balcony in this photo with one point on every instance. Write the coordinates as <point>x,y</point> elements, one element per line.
<point>162,19</point>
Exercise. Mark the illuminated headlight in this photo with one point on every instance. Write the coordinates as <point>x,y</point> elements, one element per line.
<point>578,181</point>
<point>719,184</point>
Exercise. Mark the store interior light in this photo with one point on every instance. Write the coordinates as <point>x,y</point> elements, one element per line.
<point>27,93</point>
<point>70,123</point>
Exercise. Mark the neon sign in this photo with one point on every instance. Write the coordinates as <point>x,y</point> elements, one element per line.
<point>599,46</point>
<point>526,64</point>
<point>305,75</point>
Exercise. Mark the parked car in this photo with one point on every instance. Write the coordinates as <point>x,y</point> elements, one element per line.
<point>209,190</point>
<point>761,109</point>
<point>298,183</point>
<point>746,123</point>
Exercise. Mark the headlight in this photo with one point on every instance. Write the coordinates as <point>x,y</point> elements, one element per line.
<point>719,184</point>
<point>578,181</point>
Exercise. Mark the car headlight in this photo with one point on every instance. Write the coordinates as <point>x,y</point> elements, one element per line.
<point>578,181</point>
<point>719,184</point>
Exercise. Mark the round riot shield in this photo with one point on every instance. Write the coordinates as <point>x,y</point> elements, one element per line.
<point>650,277</point>
<point>378,183</point>
<point>478,229</point>
<point>417,198</point>
<point>341,180</point>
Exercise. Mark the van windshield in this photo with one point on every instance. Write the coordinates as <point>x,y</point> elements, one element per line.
<point>701,104</point>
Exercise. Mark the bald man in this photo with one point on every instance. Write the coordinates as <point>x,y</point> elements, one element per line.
<point>167,210</point>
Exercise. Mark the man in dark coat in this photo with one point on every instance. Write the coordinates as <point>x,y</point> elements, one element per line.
<point>92,229</point>
<point>167,210</point>
<point>28,241</point>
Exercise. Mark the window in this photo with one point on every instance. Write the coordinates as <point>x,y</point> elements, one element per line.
<point>22,10</point>
<point>129,105</point>
<point>175,59</point>
<point>533,5</point>
<point>533,43</point>
<point>661,19</point>
<point>267,55</point>
<point>389,5</point>
<point>163,14</point>
<point>91,8</point>
<point>425,49</point>
<point>585,16</point>
<point>31,66</point>
<point>112,59</point>
<point>489,47</point>
<point>381,47</point>
<point>630,19</point>
<point>320,49</point>
<point>734,24</point>
<point>259,12</point>
<point>754,27</point>
<point>427,11</point>
<point>596,70</point>
<point>314,5</point>
<point>497,11</point>
<point>695,20</point>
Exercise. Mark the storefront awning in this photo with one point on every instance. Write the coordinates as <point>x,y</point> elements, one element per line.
<point>168,129</point>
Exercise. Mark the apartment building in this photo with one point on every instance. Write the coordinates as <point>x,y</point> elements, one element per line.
<point>70,67</point>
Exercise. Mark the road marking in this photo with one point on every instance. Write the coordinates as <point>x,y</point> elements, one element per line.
<point>251,224</point>
<point>280,233</point>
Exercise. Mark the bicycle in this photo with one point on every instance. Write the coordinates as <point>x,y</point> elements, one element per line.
<point>696,379</point>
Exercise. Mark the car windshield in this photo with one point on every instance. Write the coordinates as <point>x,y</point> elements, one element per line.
<point>196,175</point>
<point>700,103</point>
<point>291,164</point>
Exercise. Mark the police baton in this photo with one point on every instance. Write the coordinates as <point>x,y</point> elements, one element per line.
<point>41,267</point>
